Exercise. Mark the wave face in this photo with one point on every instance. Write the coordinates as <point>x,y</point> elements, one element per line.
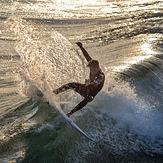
<point>39,54</point>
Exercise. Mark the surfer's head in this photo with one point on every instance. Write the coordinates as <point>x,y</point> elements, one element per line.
<point>94,67</point>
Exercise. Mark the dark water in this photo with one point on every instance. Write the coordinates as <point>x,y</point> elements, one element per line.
<point>38,53</point>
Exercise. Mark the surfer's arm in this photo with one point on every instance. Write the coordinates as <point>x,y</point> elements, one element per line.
<point>85,53</point>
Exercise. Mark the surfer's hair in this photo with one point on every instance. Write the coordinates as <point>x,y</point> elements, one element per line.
<point>93,63</point>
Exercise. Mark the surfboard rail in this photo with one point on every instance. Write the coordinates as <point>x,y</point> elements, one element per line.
<point>73,124</point>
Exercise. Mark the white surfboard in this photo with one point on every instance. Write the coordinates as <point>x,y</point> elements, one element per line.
<point>40,94</point>
<point>73,124</point>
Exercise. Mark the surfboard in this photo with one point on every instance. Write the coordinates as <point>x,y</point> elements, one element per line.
<point>40,94</point>
<point>73,124</point>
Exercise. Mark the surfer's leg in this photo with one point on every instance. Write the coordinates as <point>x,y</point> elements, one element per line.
<point>80,105</point>
<point>75,86</point>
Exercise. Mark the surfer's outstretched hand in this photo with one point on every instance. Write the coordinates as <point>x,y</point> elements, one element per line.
<point>79,44</point>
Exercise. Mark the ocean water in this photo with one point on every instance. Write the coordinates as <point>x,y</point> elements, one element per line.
<point>38,53</point>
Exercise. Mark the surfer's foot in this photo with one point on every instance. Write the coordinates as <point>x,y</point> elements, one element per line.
<point>69,114</point>
<point>56,91</point>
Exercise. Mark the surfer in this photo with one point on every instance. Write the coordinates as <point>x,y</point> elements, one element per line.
<point>92,85</point>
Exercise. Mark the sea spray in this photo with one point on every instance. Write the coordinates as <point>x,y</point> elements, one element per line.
<point>45,66</point>
<point>122,123</point>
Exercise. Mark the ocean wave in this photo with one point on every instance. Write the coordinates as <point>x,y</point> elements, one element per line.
<point>152,65</point>
<point>125,124</point>
<point>121,123</point>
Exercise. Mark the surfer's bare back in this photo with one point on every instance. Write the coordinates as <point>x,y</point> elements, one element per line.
<point>92,86</point>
